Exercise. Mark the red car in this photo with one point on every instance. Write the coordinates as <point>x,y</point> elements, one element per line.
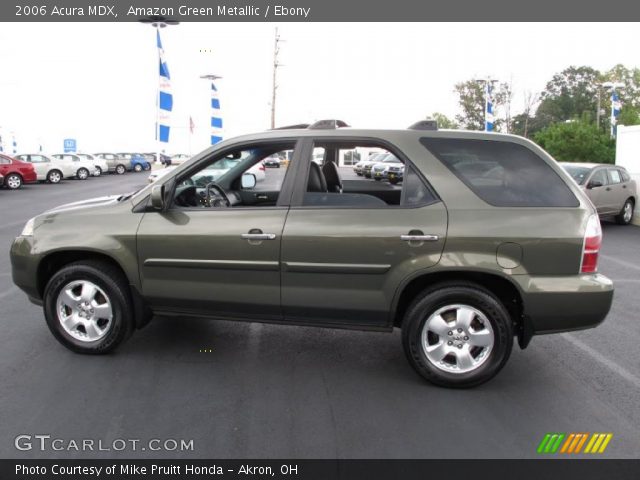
<point>15,172</point>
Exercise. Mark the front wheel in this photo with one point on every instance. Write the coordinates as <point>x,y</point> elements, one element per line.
<point>626,214</point>
<point>137,167</point>
<point>88,307</point>
<point>98,171</point>
<point>54,176</point>
<point>457,335</point>
<point>147,167</point>
<point>82,174</point>
<point>13,181</point>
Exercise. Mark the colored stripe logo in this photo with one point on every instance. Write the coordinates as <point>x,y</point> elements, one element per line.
<point>572,443</point>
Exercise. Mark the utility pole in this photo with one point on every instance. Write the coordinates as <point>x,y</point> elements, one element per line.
<point>276,65</point>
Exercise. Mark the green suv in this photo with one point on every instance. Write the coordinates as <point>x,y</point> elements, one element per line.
<point>487,239</point>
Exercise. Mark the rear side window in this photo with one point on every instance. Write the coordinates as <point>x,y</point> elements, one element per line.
<point>625,176</point>
<point>503,174</point>
<point>614,175</point>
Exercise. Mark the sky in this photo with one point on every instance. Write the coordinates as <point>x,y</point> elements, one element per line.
<point>97,82</point>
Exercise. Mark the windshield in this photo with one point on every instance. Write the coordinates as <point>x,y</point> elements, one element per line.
<point>578,173</point>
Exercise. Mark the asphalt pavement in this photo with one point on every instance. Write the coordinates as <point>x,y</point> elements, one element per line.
<point>241,390</point>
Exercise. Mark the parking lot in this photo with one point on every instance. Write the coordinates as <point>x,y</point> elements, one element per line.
<point>266,391</point>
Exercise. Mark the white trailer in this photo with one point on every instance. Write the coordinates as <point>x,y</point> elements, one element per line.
<point>628,156</point>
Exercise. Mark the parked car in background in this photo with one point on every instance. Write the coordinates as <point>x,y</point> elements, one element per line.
<point>136,161</point>
<point>16,172</point>
<point>272,161</point>
<point>609,187</point>
<point>83,168</point>
<point>159,173</point>
<point>379,170</point>
<point>99,163</point>
<point>179,158</point>
<point>1,180</point>
<point>367,165</point>
<point>48,169</point>
<point>115,163</point>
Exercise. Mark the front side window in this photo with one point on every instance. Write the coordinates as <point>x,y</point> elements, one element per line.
<point>503,174</point>
<point>599,178</point>
<point>382,181</point>
<point>235,179</point>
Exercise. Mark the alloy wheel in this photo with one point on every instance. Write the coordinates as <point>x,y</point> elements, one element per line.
<point>13,181</point>
<point>84,311</point>
<point>457,338</point>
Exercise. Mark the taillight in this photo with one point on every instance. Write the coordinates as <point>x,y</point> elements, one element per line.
<point>592,242</point>
<point>261,167</point>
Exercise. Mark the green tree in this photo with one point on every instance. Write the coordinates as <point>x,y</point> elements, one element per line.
<point>569,95</point>
<point>444,121</point>
<point>471,99</point>
<point>577,141</point>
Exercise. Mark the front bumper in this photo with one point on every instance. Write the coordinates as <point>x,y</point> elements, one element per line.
<point>24,267</point>
<point>561,304</point>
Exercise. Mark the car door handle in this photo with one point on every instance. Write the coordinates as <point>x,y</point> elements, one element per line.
<point>419,238</point>
<point>258,236</point>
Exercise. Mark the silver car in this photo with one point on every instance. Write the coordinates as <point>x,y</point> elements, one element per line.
<point>609,187</point>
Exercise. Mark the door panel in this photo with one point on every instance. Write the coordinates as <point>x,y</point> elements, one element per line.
<point>198,261</point>
<point>599,195</point>
<point>618,190</point>
<point>343,265</point>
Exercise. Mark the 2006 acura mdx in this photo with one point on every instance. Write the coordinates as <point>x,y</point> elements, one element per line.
<point>486,239</point>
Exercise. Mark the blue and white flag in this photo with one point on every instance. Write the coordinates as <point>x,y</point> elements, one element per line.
<point>165,98</point>
<point>488,113</point>
<point>14,144</point>
<point>616,106</point>
<point>216,118</point>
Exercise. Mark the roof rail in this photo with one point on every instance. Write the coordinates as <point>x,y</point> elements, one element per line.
<point>293,127</point>
<point>327,125</point>
<point>425,125</point>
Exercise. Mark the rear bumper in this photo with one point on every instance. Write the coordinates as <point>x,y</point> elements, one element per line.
<point>561,304</point>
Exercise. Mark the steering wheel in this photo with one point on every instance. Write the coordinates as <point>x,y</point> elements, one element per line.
<point>218,199</point>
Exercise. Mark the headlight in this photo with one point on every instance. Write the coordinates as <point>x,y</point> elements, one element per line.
<point>27,231</point>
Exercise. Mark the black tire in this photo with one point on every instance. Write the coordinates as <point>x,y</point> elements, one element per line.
<point>359,174</point>
<point>137,167</point>
<point>147,167</point>
<point>114,284</point>
<point>620,218</point>
<point>393,181</point>
<point>82,174</point>
<point>54,176</point>
<point>13,181</point>
<point>98,171</point>
<point>120,169</point>
<point>450,293</point>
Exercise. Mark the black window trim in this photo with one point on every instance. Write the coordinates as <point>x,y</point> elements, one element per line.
<point>297,199</point>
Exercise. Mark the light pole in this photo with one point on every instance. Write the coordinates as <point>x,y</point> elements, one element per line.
<point>489,119</point>
<point>158,22</point>
<point>216,118</point>
<point>608,86</point>
<point>276,65</point>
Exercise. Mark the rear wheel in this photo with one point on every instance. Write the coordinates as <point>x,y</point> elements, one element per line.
<point>137,167</point>
<point>626,214</point>
<point>54,176</point>
<point>88,307</point>
<point>457,335</point>
<point>393,181</point>
<point>13,181</point>
<point>147,167</point>
<point>120,169</point>
<point>98,171</point>
<point>82,174</point>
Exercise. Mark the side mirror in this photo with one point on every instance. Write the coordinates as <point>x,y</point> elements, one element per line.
<point>594,184</point>
<point>157,197</point>
<point>248,181</point>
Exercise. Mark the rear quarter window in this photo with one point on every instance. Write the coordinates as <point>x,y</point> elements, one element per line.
<point>503,174</point>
